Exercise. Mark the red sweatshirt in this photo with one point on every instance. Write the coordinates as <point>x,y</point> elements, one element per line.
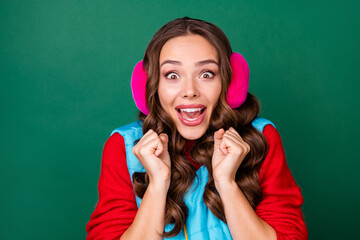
<point>116,208</point>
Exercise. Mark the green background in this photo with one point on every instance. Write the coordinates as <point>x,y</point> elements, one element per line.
<point>65,85</point>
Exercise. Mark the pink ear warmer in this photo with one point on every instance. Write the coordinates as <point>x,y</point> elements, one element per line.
<point>237,91</point>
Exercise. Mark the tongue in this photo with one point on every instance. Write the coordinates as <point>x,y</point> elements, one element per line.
<point>191,114</point>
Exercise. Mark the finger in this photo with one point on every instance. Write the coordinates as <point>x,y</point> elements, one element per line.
<point>158,148</point>
<point>246,145</point>
<point>233,132</point>
<point>224,147</point>
<point>149,143</point>
<point>233,142</point>
<point>149,132</point>
<point>236,135</point>
<point>149,137</point>
<point>218,135</point>
<point>231,136</point>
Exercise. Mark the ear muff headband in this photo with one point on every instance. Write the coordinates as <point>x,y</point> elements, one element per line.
<point>237,90</point>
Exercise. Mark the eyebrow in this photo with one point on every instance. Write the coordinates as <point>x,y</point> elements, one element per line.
<point>200,63</point>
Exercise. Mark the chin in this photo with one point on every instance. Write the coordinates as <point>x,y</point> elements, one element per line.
<point>190,133</point>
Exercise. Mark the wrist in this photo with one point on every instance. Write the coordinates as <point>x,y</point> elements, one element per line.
<point>224,185</point>
<point>159,186</point>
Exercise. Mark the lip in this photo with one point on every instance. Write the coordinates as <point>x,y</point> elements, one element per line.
<point>187,122</point>
<point>189,106</point>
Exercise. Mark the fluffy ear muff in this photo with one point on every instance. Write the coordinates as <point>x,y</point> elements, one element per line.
<point>239,84</point>
<point>138,87</point>
<point>236,94</point>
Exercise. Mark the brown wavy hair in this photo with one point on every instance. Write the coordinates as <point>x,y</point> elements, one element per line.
<point>182,171</point>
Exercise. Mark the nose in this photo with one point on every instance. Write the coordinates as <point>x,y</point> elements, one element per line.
<point>190,89</point>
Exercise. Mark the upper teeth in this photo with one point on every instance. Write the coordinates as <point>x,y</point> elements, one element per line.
<point>190,109</point>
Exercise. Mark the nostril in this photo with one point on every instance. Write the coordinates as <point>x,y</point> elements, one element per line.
<point>190,95</point>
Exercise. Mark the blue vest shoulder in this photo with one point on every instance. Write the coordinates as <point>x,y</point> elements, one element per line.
<point>131,132</point>
<point>129,129</point>
<point>259,123</point>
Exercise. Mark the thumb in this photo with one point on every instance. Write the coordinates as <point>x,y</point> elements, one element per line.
<point>164,140</point>
<point>218,136</point>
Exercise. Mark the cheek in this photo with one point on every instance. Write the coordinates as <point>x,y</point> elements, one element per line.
<point>165,97</point>
<point>162,100</point>
<point>215,93</point>
<point>162,93</point>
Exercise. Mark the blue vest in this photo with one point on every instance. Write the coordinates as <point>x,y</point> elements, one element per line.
<point>201,223</point>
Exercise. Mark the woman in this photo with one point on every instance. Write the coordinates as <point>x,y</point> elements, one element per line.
<point>199,163</point>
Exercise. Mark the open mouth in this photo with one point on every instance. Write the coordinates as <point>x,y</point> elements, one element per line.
<point>191,114</point>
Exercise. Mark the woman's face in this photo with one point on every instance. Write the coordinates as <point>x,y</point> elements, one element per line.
<point>189,84</point>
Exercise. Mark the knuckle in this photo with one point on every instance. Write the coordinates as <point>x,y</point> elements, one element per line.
<point>135,152</point>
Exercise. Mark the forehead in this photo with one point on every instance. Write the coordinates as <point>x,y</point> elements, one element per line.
<point>188,48</point>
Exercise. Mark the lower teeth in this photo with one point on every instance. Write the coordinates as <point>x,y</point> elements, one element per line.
<point>192,119</point>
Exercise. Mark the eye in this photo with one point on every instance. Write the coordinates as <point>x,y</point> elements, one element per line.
<point>171,75</point>
<point>208,74</point>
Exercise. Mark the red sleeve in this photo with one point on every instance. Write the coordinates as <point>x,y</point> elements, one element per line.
<point>282,199</point>
<point>116,207</point>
